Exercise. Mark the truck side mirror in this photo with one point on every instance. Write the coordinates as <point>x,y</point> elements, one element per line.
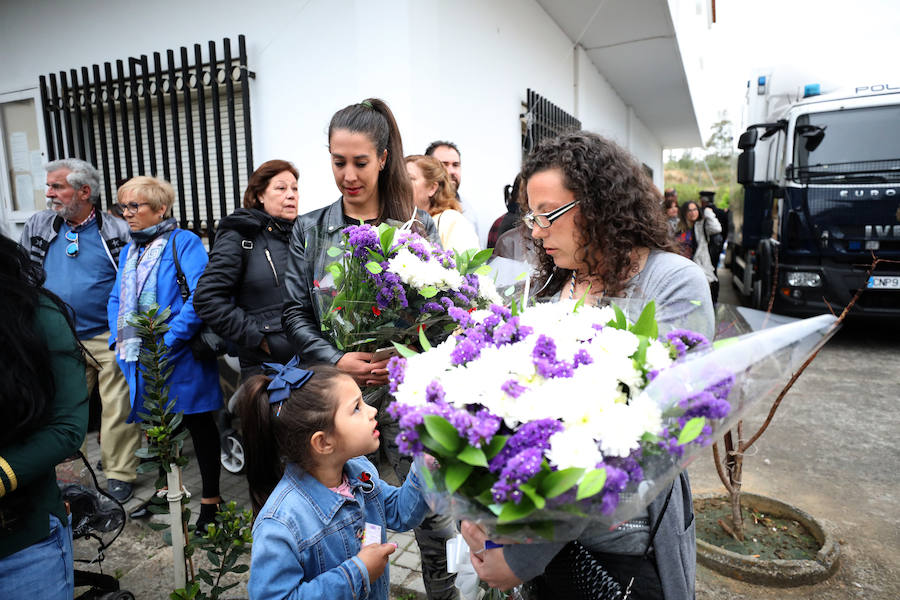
<point>748,139</point>
<point>746,165</point>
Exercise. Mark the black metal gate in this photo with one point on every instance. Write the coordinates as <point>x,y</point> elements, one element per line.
<point>160,120</point>
<point>543,119</point>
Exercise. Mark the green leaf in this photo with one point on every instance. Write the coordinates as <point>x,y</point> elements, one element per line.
<point>157,526</point>
<point>373,267</point>
<point>432,444</point>
<point>621,320</point>
<point>559,482</point>
<point>486,498</point>
<point>428,478</point>
<point>479,259</point>
<point>513,512</point>
<point>529,491</point>
<point>640,355</point>
<point>428,292</point>
<point>455,474</point>
<point>509,291</point>
<point>473,456</point>
<point>240,569</point>
<point>592,484</point>
<point>581,300</point>
<point>334,252</point>
<point>691,430</point>
<point>495,446</point>
<point>724,342</point>
<point>483,270</point>
<point>646,323</point>
<point>404,350</point>
<point>423,341</point>
<point>441,430</point>
<point>205,576</point>
<point>386,239</point>
<point>148,467</point>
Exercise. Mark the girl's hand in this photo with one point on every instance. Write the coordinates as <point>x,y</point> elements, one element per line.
<point>363,372</point>
<point>375,557</point>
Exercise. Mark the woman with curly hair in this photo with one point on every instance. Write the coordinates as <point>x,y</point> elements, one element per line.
<point>598,232</point>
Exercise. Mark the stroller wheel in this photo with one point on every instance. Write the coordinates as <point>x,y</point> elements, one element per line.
<point>233,453</point>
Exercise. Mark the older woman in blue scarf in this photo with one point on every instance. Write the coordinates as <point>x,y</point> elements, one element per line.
<point>148,276</point>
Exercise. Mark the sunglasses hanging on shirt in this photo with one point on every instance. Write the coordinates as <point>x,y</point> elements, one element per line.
<point>72,247</point>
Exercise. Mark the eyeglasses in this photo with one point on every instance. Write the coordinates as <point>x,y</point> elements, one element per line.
<point>72,247</point>
<point>545,220</point>
<point>131,207</point>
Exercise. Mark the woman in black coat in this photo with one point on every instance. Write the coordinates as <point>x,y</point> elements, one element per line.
<point>240,295</point>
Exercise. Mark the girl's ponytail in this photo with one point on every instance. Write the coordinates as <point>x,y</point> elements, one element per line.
<point>262,458</point>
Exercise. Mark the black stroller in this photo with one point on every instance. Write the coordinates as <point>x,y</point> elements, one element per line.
<point>97,516</point>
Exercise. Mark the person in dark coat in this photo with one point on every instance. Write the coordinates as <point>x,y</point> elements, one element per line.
<point>240,294</point>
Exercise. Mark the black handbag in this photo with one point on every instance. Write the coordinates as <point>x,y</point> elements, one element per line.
<point>206,343</point>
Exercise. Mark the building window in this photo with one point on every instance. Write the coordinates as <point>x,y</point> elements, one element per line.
<point>183,116</point>
<point>543,119</point>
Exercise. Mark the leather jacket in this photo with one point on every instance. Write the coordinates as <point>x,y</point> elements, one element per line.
<point>240,295</point>
<point>313,234</point>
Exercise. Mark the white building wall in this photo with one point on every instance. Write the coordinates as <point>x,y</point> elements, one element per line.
<point>449,70</point>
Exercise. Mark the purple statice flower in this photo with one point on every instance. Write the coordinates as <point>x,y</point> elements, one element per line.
<point>390,291</point>
<point>501,311</point>
<point>582,358</point>
<point>688,340</point>
<point>431,306</point>
<point>465,351</point>
<point>616,480</point>
<point>506,333</point>
<point>460,315</point>
<point>415,246</point>
<point>513,388</point>
<point>483,427</point>
<point>706,404</point>
<point>447,302</point>
<point>534,434</point>
<point>361,238</point>
<point>518,470</point>
<point>544,359</point>
<point>396,369</point>
<point>434,392</point>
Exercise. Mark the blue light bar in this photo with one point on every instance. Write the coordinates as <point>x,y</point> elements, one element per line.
<point>811,89</point>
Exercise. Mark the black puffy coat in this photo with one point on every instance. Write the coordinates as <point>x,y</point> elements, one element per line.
<point>241,292</point>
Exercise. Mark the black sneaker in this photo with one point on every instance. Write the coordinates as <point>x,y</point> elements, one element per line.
<point>120,490</point>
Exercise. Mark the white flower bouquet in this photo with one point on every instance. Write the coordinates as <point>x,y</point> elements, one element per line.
<point>564,413</point>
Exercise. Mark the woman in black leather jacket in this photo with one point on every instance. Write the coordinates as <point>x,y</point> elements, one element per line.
<point>241,292</point>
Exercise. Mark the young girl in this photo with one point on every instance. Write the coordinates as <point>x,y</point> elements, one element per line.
<point>322,512</point>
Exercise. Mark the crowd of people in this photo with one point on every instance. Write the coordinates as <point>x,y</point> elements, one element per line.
<point>582,209</point>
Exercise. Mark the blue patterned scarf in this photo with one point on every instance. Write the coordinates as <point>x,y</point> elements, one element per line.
<point>138,291</point>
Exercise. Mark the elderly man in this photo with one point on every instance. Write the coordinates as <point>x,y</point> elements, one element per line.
<point>78,247</point>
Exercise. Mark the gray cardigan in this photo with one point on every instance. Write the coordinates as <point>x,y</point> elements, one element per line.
<point>682,297</point>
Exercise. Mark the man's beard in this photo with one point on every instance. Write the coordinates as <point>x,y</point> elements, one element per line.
<point>455,182</point>
<point>67,212</point>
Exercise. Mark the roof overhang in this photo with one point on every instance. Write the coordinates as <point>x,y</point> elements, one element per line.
<point>633,45</point>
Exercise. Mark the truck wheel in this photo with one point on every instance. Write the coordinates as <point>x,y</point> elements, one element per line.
<point>232,456</point>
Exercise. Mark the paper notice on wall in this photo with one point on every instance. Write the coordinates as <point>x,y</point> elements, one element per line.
<point>38,177</point>
<point>18,149</point>
<point>24,193</point>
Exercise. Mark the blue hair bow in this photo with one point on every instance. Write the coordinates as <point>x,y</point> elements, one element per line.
<point>286,378</point>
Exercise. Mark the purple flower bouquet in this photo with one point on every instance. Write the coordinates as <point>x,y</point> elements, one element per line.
<point>563,414</point>
<point>388,285</point>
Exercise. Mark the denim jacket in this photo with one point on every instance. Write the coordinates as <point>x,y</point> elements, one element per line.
<point>306,537</point>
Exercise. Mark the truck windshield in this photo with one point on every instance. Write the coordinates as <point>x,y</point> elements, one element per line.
<point>860,145</point>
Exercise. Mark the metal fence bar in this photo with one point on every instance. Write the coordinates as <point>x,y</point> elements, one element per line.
<point>136,115</point>
<point>161,112</point>
<point>48,130</point>
<point>148,113</point>
<point>217,129</point>
<point>176,139</point>
<point>245,96</point>
<point>101,127</point>
<point>76,104</point>
<point>232,129</point>
<point>189,131</point>
<point>113,125</point>
<point>57,118</point>
<point>89,115</point>
<point>123,108</point>
<point>204,142</point>
<point>67,117</point>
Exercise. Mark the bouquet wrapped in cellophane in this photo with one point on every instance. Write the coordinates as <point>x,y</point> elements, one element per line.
<point>388,285</point>
<point>567,415</point>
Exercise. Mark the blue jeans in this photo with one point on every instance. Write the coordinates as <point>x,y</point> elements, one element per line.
<point>43,569</point>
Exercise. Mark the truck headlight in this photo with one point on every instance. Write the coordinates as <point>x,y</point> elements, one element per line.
<point>803,279</point>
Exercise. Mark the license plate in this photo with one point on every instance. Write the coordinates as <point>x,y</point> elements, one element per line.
<point>881,282</point>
